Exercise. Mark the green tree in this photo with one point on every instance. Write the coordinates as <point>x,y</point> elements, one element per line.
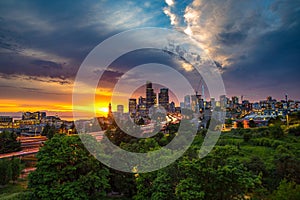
<point>287,164</point>
<point>162,187</point>
<point>252,124</point>
<point>189,189</point>
<point>49,131</point>
<point>122,182</point>
<point>5,171</point>
<point>217,176</point>
<point>286,191</point>
<point>66,170</point>
<point>15,168</point>
<point>276,131</point>
<point>144,184</point>
<point>9,143</point>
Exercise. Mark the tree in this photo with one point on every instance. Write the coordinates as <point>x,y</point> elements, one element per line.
<point>5,171</point>
<point>287,164</point>
<point>275,121</point>
<point>252,124</point>
<point>15,168</point>
<point>49,131</point>
<point>9,143</point>
<point>66,170</point>
<point>122,182</point>
<point>162,187</point>
<point>189,189</point>
<point>276,131</point>
<point>286,191</point>
<point>216,176</point>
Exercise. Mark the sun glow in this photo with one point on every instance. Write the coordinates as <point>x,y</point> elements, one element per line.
<point>103,110</point>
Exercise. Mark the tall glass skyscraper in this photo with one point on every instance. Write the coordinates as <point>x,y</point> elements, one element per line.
<point>163,98</point>
<point>150,95</point>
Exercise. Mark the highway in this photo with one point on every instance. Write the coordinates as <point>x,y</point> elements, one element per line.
<point>29,145</point>
<point>20,153</point>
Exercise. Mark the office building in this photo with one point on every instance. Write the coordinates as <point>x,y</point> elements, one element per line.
<point>150,96</point>
<point>132,107</point>
<point>163,98</point>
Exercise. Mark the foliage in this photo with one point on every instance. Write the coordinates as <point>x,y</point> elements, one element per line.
<point>15,168</point>
<point>49,131</point>
<point>123,183</point>
<point>10,169</point>
<point>9,143</point>
<point>286,191</point>
<point>247,137</point>
<point>264,166</point>
<point>66,170</point>
<point>294,130</point>
<point>5,171</point>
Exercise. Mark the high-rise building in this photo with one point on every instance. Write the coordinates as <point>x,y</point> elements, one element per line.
<point>172,108</point>
<point>181,105</point>
<point>194,103</point>
<point>187,102</point>
<point>223,101</point>
<point>109,114</point>
<point>163,98</point>
<point>141,107</point>
<point>213,102</point>
<point>132,107</point>
<point>120,109</point>
<point>235,100</point>
<point>150,95</point>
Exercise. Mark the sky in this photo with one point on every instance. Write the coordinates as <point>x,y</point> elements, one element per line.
<point>254,43</point>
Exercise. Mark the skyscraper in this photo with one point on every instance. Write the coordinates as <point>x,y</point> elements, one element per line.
<point>150,95</point>
<point>132,107</point>
<point>235,100</point>
<point>109,114</point>
<point>187,102</point>
<point>172,107</point>
<point>194,103</point>
<point>163,98</point>
<point>141,108</point>
<point>223,101</point>
<point>120,109</point>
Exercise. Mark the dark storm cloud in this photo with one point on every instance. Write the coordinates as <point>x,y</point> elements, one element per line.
<point>231,38</point>
<point>61,33</point>
<point>257,42</point>
<point>47,64</point>
<point>273,62</point>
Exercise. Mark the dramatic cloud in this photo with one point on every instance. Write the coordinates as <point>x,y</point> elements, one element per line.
<point>42,43</point>
<point>248,37</point>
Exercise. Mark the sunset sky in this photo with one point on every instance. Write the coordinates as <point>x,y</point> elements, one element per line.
<point>255,44</point>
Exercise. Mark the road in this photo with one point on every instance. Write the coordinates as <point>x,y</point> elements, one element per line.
<point>20,153</point>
